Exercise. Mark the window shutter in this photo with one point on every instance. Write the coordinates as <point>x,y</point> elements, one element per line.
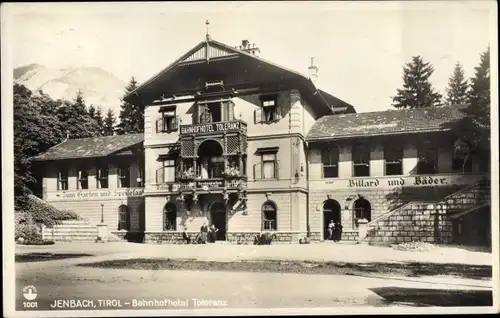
<point>257,171</point>
<point>277,169</point>
<point>159,125</point>
<point>230,111</point>
<point>278,110</point>
<point>160,175</point>
<point>258,115</point>
<point>175,124</point>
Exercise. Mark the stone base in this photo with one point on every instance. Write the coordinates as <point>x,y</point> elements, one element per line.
<point>136,237</point>
<point>239,238</point>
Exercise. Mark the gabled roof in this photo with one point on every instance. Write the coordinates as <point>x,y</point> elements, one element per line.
<point>387,122</point>
<point>92,147</point>
<point>214,50</point>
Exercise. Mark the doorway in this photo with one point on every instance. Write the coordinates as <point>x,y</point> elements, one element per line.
<point>331,212</point>
<point>218,218</point>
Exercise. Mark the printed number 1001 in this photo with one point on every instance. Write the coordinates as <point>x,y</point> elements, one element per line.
<point>30,304</point>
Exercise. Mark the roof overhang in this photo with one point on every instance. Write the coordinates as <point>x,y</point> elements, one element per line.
<point>215,59</point>
<point>372,135</point>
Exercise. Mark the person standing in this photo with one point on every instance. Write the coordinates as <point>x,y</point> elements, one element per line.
<point>339,231</point>
<point>331,227</point>
<point>204,233</point>
<point>213,233</point>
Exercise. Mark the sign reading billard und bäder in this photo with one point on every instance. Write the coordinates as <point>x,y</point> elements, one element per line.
<point>404,181</point>
<point>97,194</point>
<point>208,128</point>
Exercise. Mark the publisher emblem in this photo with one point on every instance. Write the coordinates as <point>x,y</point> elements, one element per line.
<point>29,292</point>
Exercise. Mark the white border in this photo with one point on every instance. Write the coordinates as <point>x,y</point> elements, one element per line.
<point>7,147</point>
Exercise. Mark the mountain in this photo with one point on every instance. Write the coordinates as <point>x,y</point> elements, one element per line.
<point>98,86</point>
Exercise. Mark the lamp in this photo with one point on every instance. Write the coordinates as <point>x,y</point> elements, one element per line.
<point>102,213</point>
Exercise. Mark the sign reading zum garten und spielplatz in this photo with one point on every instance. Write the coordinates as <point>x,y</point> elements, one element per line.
<point>94,194</point>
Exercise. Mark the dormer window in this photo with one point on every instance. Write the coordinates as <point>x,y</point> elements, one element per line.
<point>169,120</point>
<point>269,111</point>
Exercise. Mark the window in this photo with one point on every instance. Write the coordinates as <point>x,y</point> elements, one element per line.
<point>361,160</point>
<point>167,172</point>
<point>330,161</point>
<point>210,112</point>
<point>269,216</point>
<point>269,111</point>
<point>123,218</point>
<point>169,217</point>
<point>393,157</point>
<point>62,180</point>
<point>103,177</point>
<point>362,210</point>
<point>462,162</point>
<point>124,177</point>
<point>427,160</point>
<point>83,179</point>
<point>168,121</point>
<point>268,167</point>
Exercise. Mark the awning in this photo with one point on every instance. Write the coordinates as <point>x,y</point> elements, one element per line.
<point>167,108</point>
<point>267,150</point>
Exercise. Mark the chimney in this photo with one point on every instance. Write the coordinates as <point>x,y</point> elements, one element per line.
<point>249,48</point>
<point>313,72</point>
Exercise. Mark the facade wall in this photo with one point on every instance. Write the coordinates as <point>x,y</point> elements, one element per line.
<point>297,117</point>
<point>287,191</point>
<point>384,193</point>
<point>90,210</point>
<point>291,216</point>
<point>92,202</point>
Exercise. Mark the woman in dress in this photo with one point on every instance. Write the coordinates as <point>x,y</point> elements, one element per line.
<point>213,233</point>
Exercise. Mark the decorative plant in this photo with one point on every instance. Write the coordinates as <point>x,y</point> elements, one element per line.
<point>232,172</point>
<point>187,174</point>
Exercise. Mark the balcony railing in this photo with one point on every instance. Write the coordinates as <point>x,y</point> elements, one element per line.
<point>213,128</point>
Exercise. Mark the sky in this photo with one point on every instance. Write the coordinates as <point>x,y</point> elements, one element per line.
<point>359,47</point>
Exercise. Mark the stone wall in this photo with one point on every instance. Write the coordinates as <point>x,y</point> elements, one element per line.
<point>246,238</point>
<point>426,221</point>
<point>381,201</point>
<point>413,222</point>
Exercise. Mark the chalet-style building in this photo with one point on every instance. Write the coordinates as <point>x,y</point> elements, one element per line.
<point>249,146</point>
<point>99,178</point>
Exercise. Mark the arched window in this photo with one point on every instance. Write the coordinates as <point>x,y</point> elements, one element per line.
<point>427,160</point>
<point>269,216</point>
<point>362,210</point>
<point>169,217</point>
<point>123,218</point>
<point>330,161</point>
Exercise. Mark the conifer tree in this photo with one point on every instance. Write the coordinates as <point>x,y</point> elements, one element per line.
<point>99,118</point>
<point>456,92</point>
<point>479,94</point>
<point>417,91</point>
<point>109,123</point>
<point>131,116</point>
<point>91,111</point>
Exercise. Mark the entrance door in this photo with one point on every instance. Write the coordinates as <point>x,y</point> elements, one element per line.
<point>331,212</point>
<point>218,215</point>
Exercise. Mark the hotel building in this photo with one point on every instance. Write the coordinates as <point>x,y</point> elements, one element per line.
<point>233,140</point>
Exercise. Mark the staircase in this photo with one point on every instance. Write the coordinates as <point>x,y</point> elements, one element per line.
<point>427,221</point>
<point>75,231</point>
